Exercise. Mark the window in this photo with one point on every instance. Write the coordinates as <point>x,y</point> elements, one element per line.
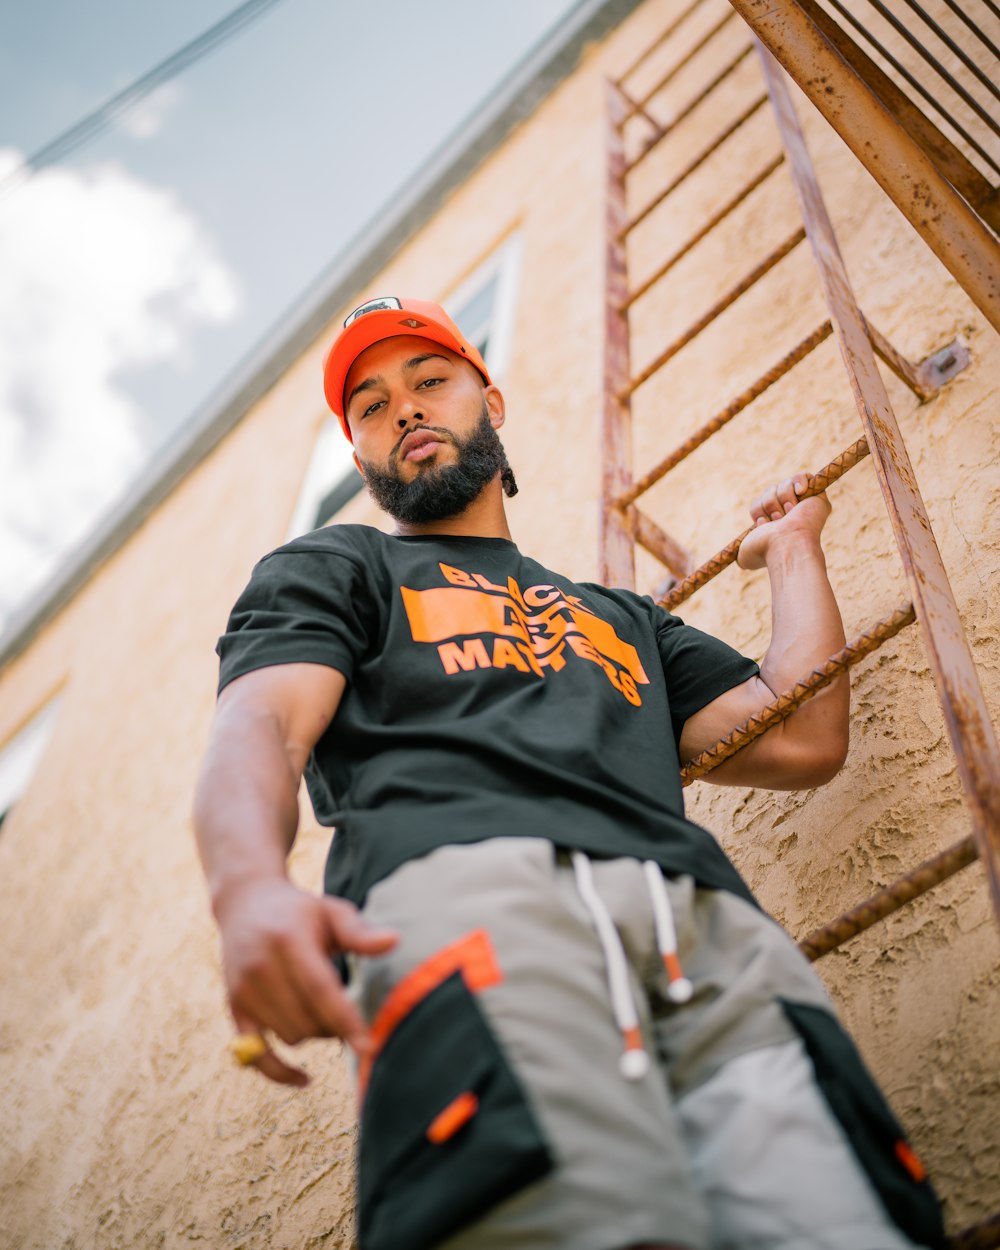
<point>22,754</point>
<point>330,482</point>
<point>482,307</point>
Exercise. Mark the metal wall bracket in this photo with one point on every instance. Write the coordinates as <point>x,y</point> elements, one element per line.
<point>944,364</point>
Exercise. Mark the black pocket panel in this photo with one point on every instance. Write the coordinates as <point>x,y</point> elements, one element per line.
<point>414,1191</point>
<point>867,1119</point>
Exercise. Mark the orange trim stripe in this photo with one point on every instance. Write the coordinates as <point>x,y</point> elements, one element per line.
<point>906,1156</point>
<point>472,955</point>
<point>456,1115</point>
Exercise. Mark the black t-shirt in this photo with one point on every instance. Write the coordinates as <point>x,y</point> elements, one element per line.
<point>486,696</point>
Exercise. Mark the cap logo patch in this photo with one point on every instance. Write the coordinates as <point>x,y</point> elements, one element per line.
<point>412,323</point>
<point>373,305</point>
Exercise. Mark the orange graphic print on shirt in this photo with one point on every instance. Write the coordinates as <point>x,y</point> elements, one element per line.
<point>530,630</point>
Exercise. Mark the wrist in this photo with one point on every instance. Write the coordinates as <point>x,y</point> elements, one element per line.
<point>792,548</point>
<point>227,892</point>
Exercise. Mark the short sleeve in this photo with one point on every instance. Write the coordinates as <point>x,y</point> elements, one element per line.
<point>300,606</point>
<point>697,667</point>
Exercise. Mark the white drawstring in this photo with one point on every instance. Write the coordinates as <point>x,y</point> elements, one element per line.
<point>634,1062</point>
<point>679,988</point>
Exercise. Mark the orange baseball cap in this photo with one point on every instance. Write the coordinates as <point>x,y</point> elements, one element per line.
<point>386,318</point>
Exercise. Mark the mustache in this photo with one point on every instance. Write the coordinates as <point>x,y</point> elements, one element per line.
<point>444,435</point>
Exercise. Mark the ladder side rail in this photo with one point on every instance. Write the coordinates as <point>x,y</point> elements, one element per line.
<point>960,694</point>
<point>616,542</point>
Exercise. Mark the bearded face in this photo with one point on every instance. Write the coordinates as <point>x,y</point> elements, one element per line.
<point>439,492</point>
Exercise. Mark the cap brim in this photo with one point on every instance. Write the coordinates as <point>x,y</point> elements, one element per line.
<point>372,328</point>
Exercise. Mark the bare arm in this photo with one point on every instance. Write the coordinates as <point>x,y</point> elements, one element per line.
<point>276,939</point>
<point>809,747</point>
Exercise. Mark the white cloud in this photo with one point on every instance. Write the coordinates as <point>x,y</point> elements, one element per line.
<point>101,273</point>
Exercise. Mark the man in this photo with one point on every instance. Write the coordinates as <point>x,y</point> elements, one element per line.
<point>574,1027</point>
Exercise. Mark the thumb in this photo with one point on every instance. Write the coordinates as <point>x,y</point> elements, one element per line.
<point>349,931</point>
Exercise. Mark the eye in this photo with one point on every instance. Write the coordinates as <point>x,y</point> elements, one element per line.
<point>372,408</point>
<point>429,382</point>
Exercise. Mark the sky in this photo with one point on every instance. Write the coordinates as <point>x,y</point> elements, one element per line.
<point>141,269</point>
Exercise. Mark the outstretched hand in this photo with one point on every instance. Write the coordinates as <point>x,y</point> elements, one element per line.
<point>780,515</point>
<point>277,943</point>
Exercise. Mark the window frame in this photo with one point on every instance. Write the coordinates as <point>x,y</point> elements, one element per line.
<point>22,754</point>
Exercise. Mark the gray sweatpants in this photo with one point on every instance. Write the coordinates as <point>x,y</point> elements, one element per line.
<point>724,1142</point>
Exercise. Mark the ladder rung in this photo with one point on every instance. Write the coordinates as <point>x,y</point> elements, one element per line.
<point>731,410</point>
<point>731,296</point>
<point>663,130</point>
<point>695,164</point>
<point>889,899</point>
<point>658,42</point>
<point>816,484</point>
<point>774,713</point>
<point>635,108</point>
<point>686,60</point>
<point>707,228</point>
<point>983,1236</point>
<point>660,544</point>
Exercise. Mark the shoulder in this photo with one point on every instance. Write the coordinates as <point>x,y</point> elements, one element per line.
<point>350,541</point>
<point>325,564</point>
<point>640,607</point>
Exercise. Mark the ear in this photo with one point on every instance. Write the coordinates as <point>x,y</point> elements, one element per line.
<point>495,406</point>
<point>357,464</point>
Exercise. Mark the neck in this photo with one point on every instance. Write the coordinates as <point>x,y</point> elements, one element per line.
<point>485,517</point>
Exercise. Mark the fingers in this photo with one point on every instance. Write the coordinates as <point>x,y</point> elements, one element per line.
<point>282,977</point>
<point>277,948</point>
<point>299,995</point>
<point>268,992</point>
<point>780,499</point>
<point>334,1013</point>
<point>269,1064</point>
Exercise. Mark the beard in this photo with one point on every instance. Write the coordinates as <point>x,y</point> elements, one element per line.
<point>439,493</point>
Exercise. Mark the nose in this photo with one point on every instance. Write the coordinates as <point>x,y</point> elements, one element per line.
<point>406,412</point>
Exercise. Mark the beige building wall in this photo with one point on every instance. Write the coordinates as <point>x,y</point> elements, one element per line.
<point>124,1122</point>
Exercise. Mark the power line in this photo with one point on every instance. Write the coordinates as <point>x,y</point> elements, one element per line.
<point>88,127</point>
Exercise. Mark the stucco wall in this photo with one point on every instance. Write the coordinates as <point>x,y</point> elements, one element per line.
<point>124,1123</point>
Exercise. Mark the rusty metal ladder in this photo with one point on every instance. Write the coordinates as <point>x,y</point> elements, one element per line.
<point>932,603</point>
